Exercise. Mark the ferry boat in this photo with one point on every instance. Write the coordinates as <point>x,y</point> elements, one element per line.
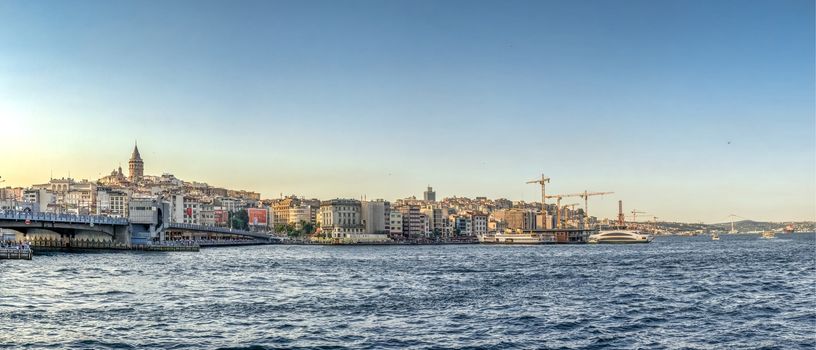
<point>767,235</point>
<point>517,238</point>
<point>619,237</point>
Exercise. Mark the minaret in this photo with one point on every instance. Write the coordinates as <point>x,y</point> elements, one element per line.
<point>135,165</point>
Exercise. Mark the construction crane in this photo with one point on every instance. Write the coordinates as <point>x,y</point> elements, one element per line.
<point>585,195</point>
<point>543,181</point>
<point>634,214</point>
<point>558,205</point>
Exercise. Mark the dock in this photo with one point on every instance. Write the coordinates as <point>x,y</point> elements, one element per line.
<point>15,253</point>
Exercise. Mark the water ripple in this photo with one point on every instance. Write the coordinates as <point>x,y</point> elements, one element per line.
<point>676,293</point>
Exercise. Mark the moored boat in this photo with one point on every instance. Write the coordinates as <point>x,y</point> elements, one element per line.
<point>517,238</point>
<point>619,237</point>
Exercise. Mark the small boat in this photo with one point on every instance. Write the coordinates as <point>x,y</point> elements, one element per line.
<point>715,237</point>
<point>619,237</point>
<point>767,235</point>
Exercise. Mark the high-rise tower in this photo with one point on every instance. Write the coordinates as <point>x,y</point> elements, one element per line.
<point>430,195</point>
<point>135,165</point>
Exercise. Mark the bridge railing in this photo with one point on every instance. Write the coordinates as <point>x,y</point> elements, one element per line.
<point>63,218</point>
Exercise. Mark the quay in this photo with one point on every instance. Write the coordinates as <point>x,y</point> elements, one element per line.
<point>16,253</point>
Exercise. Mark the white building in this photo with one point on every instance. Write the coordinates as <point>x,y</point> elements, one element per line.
<point>341,219</point>
<point>46,200</point>
<point>192,210</point>
<point>375,216</point>
<point>479,223</point>
<point>301,213</point>
<point>395,222</point>
<point>111,202</point>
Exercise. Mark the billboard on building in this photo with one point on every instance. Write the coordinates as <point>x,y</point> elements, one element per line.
<point>221,217</point>
<point>257,216</point>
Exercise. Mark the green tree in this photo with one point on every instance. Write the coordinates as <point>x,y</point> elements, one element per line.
<point>239,220</point>
<point>308,227</point>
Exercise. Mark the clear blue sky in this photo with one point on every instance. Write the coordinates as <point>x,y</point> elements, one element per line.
<point>380,98</point>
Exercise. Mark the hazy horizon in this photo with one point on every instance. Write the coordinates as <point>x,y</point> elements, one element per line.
<point>689,113</point>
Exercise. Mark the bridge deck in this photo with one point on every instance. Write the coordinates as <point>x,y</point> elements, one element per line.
<point>62,218</point>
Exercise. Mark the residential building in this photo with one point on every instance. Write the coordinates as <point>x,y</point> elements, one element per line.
<point>411,224</point>
<point>395,223</point>
<point>341,220</point>
<point>376,216</point>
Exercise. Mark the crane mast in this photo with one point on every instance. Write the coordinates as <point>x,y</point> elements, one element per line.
<point>558,211</point>
<point>585,195</point>
<point>543,182</point>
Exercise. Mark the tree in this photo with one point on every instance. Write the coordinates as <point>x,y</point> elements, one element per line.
<point>239,220</point>
<point>307,227</point>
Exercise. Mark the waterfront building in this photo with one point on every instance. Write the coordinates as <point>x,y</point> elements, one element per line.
<point>395,223</point>
<point>437,219</point>
<point>147,216</point>
<point>425,224</point>
<point>302,213</point>
<point>411,222</point>
<point>207,214</point>
<point>341,219</point>
<point>220,216</point>
<point>45,200</point>
<point>478,223</point>
<point>516,219</point>
<point>462,225</point>
<point>376,216</point>
<point>175,206</point>
<point>281,209</point>
<point>191,210</point>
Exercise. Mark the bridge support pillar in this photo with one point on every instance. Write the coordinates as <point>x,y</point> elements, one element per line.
<point>121,234</point>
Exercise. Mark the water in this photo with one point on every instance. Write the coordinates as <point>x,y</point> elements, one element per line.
<point>676,293</point>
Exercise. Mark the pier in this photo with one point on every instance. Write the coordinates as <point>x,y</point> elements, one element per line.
<point>16,253</point>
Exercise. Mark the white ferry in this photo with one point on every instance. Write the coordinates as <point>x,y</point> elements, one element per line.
<point>517,238</point>
<point>619,237</point>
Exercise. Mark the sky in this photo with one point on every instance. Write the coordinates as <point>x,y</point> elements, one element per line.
<point>687,110</point>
